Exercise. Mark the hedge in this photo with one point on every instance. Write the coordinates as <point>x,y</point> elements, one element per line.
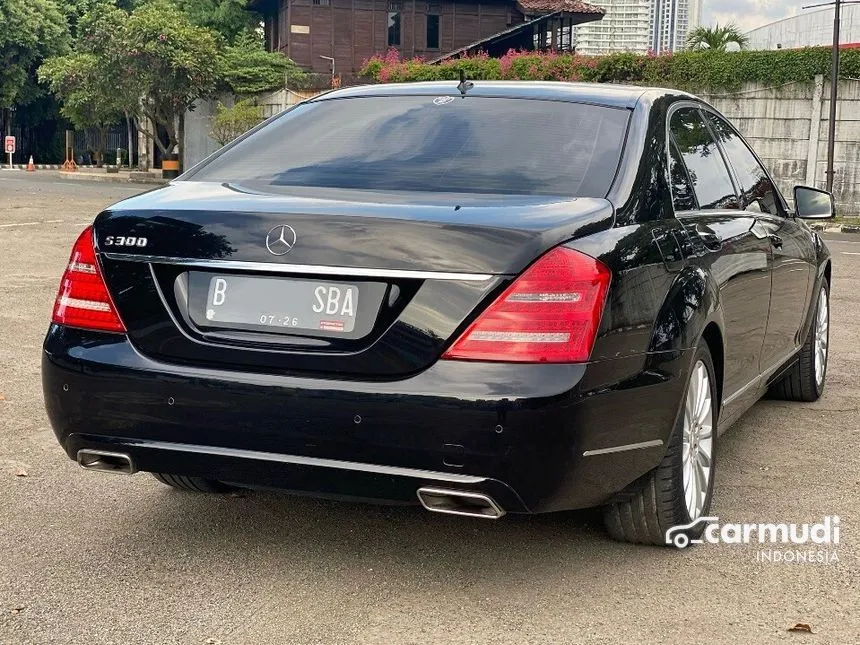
<point>697,71</point>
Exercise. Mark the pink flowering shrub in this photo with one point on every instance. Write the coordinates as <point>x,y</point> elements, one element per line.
<point>519,65</point>
<point>689,70</point>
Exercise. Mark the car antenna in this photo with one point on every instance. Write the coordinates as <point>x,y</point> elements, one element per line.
<point>464,85</point>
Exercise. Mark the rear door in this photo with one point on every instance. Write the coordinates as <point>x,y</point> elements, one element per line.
<point>722,239</point>
<point>793,255</point>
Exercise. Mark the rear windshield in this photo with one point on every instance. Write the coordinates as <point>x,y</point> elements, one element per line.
<point>426,143</point>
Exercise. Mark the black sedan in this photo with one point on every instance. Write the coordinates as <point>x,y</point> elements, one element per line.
<point>483,297</point>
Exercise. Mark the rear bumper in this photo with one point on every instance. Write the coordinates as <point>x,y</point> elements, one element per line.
<point>534,437</point>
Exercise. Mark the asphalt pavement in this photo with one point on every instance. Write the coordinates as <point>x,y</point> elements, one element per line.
<point>90,558</point>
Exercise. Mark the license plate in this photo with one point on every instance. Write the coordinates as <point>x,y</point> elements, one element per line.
<point>279,304</point>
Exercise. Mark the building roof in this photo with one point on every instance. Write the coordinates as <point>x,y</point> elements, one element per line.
<point>536,12</point>
<point>500,37</point>
<point>618,96</point>
<point>537,7</point>
<point>528,7</point>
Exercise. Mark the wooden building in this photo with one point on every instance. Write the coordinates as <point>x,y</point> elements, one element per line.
<point>312,32</point>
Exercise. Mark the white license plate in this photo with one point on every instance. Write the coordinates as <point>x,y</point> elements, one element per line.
<point>281,303</point>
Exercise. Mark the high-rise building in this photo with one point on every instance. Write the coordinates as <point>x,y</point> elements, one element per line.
<point>626,26</point>
<point>671,22</point>
<point>639,26</point>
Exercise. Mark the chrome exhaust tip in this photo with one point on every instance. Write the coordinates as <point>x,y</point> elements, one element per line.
<point>107,462</point>
<point>459,502</point>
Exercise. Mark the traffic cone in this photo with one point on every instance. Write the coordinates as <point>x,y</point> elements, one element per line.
<point>31,167</point>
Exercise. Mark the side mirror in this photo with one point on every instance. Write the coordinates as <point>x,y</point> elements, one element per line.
<point>812,203</point>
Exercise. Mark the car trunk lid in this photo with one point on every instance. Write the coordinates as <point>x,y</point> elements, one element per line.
<point>343,228</point>
<point>419,265</point>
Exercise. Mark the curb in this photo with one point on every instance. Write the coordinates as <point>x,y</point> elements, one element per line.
<point>53,166</point>
<point>114,179</point>
<point>836,228</point>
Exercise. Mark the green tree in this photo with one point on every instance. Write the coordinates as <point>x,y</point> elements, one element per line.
<point>152,62</point>
<point>716,38</point>
<point>93,92</point>
<point>152,59</point>
<point>30,31</point>
<point>244,65</point>
<point>247,68</point>
<point>169,61</point>
<point>76,11</point>
<point>78,80</point>
<point>229,123</point>
<point>230,18</point>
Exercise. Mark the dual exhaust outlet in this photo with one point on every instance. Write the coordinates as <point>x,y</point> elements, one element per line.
<point>436,500</point>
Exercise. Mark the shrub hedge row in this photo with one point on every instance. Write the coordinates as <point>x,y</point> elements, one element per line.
<point>695,71</point>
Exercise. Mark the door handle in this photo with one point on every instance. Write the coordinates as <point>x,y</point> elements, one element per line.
<point>776,240</point>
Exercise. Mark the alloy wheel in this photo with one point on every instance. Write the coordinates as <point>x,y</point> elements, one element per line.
<point>822,337</point>
<point>698,440</point>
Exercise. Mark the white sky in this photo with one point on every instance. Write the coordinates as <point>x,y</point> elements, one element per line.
<point>749,14</point>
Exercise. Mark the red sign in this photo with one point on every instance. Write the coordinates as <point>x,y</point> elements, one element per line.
<point>9,145</point>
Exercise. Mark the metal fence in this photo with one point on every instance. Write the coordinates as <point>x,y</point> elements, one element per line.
<point>86,143</point>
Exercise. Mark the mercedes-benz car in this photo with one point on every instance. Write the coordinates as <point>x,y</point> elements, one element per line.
<point>486,297</point>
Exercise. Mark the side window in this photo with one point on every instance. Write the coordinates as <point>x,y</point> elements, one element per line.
<point>712,183</point>
<point>757,191</point>
<point>683,198</point>
<point>394,23</point>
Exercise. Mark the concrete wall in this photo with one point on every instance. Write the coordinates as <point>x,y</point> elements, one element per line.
<point>788,127</point>
<point>198,124</point>
<point>808,29</point>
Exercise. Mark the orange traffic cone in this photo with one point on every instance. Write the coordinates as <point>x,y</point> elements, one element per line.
<point>31,167</point>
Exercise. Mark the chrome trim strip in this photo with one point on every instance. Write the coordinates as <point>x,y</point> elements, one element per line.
<point>758,379</point>
<point>654,443</point>
<point>730,399</point>
<point>318,462</point>
<point>318,269</point>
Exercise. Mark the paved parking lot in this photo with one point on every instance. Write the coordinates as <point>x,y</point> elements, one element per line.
<point>90,558</point>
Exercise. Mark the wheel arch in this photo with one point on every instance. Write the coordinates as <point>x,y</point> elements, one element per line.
<point>691,312</point>
<point>823,274</point>
<point>691,306</point>
<point>713,336</point>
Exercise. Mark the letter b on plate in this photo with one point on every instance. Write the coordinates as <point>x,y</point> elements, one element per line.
<point>220,292</point>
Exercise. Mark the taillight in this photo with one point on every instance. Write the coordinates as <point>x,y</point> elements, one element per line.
<point>550,314</point>
<point>83,300</point>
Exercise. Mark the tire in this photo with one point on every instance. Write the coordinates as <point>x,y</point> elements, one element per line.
<point>802,381</point>
<point>193,484</point>
<point>656,502</point>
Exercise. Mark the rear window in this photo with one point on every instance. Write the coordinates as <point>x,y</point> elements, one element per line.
<point>426,143</point>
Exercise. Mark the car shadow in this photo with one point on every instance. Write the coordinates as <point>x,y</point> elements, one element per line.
<point>265,530</point>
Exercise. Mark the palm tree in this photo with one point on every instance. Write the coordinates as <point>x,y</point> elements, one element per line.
<point>716,38</point>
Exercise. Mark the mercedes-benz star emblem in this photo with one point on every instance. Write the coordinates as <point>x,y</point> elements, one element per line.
<point>281,240</point>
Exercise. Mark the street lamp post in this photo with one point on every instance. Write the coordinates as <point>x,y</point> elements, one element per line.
<point>834,91</point>
<point>330,60</point>
<point>834,85</point>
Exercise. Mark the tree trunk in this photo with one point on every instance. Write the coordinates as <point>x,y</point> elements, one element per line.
<point>182,140</point>
<point>129,131</point>
<point>143,160</point>
<point>166,148</point>
<point>101,147</point>
<point>169,122</point>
